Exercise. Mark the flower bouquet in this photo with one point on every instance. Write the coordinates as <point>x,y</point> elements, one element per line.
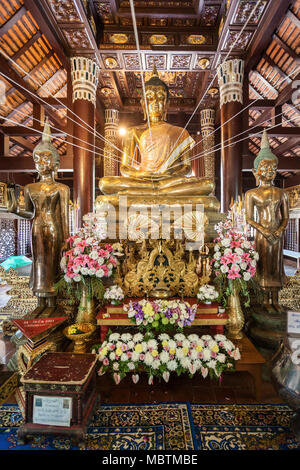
<point>123,354</point>
<point>161,315</point>
<point>234,260</point>
<point>207,294</point>
<point>85,262</point>
<point>114,295</point>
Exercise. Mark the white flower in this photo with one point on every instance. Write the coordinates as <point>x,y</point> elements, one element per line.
<point>194,354</point>
<point>256,256</point>
<point>246,244</point>
<point>246,276</point>
<point>185,362</point>
<point>156,364</point>
<point>138,337</point>
<point>243,265</point>
<point>100,273</point>
<point>220,338</point>
<point>253,263</point>
<point>224,268</point>
<point>67,278</point>
<point>228,251</point>
<point>148,359</point>
<point>112,356</point>
<point>164,357</point>
<point>94,255</point>
<point>135,356</point>
<point>179,353</point>
<point>131,365</point>
<point>152,343</point>
<point>239,251</point>
<point>114,337</point>
<point>77,278</point>
<point>172,365</point>
<point>124,357</point>
<point>116,366</point>
<point>84,271</point>
<point>194,338</point>
<point>221,358</point>
<point>164,337</point>
<point>206,354</point>
<point>217,255</point>
<point>225,242</point>
<point>126,337</point>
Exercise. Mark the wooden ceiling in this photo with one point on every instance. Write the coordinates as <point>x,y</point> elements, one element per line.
<point>186,39</point>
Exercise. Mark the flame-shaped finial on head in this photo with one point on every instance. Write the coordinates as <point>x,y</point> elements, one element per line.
<point>46,137</point>
<point>264,144</point>
<point>265,152</point>
<point>154,71</point>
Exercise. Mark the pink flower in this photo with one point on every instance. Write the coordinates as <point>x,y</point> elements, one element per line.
<point>105,361</point>
<point>142,357</point>
<point>235,244</point>
<point>233,274</point>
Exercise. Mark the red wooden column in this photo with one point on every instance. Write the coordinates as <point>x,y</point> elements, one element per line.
<point>230,77</point>
<point>85,73</point>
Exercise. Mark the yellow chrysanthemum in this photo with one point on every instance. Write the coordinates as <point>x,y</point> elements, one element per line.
<point>172,351</point>
<point>185,351</point>
<point>154,353</point>
<point>165,343</point>
<point>215,349</point>
<point>103,352</point>
<point>118,351</point>
<point>138,348</point>
<point>199,348</point>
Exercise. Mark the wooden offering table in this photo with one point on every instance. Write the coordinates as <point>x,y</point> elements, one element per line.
<point>115,315</point>
<point>60,395</point>
<point>251,361</point>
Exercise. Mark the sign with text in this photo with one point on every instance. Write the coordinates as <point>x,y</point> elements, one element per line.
<point>52,411</point>
<point>293,325</point>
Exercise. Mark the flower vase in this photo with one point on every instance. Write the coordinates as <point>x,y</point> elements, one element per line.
<point>86,310</point>
<point>236,319</point>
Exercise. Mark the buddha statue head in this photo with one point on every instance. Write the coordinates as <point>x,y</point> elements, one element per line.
<point>45,155</point>
<point>157,95</point>
<point>265,164</point>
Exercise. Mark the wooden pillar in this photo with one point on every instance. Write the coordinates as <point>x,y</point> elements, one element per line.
<point>85,73</point>
<point>230,77</point>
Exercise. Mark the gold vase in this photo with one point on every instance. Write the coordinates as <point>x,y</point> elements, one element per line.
<point>86,310</point>
<point>236,320</point>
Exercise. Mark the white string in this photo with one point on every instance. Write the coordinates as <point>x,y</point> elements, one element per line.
<point>141,72</point>
<point>69,135</point>
<point>57,99</point>
<point>196,108</point>
<point>245,138</point>
<point>216,147</point>
<point>56,137</point>
<point>241,111</point>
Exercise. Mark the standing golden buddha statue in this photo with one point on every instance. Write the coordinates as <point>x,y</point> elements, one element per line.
<point>267,211</point>
<point>47,204</point>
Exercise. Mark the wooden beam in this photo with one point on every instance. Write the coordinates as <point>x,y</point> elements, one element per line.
<point>23,143</point>
<point>286,48</point>
<point>26,131</point>
<point>294,19</point>
<point>265,82</point>
<point>289,144</point>
<point>262,104</point>
<point>276,131</point>
<point>25,89</point>
<point>26,164</point>
<point>284,163</point>
<point>283,97</point>
<point>13,20</point>
<point>273,15</point>
<point>48,29</point>
<point>276,68</point>
<point>27,45</point>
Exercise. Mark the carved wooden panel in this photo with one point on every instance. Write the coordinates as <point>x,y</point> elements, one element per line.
<point>64,11</point>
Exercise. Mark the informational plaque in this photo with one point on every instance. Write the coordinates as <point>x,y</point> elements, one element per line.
<point>52,411</point>
<point>293,326</point>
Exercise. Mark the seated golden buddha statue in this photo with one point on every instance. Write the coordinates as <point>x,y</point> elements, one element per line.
<point>163,151</point>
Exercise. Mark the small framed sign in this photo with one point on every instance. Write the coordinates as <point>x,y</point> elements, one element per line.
<point>52,411</point>
<point>293,322</point>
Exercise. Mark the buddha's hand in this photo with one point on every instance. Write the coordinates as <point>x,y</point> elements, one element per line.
<point>12,203</point>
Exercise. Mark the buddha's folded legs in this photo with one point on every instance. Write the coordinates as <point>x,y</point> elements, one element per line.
<point>119,184</point>
<point>184,186</point>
